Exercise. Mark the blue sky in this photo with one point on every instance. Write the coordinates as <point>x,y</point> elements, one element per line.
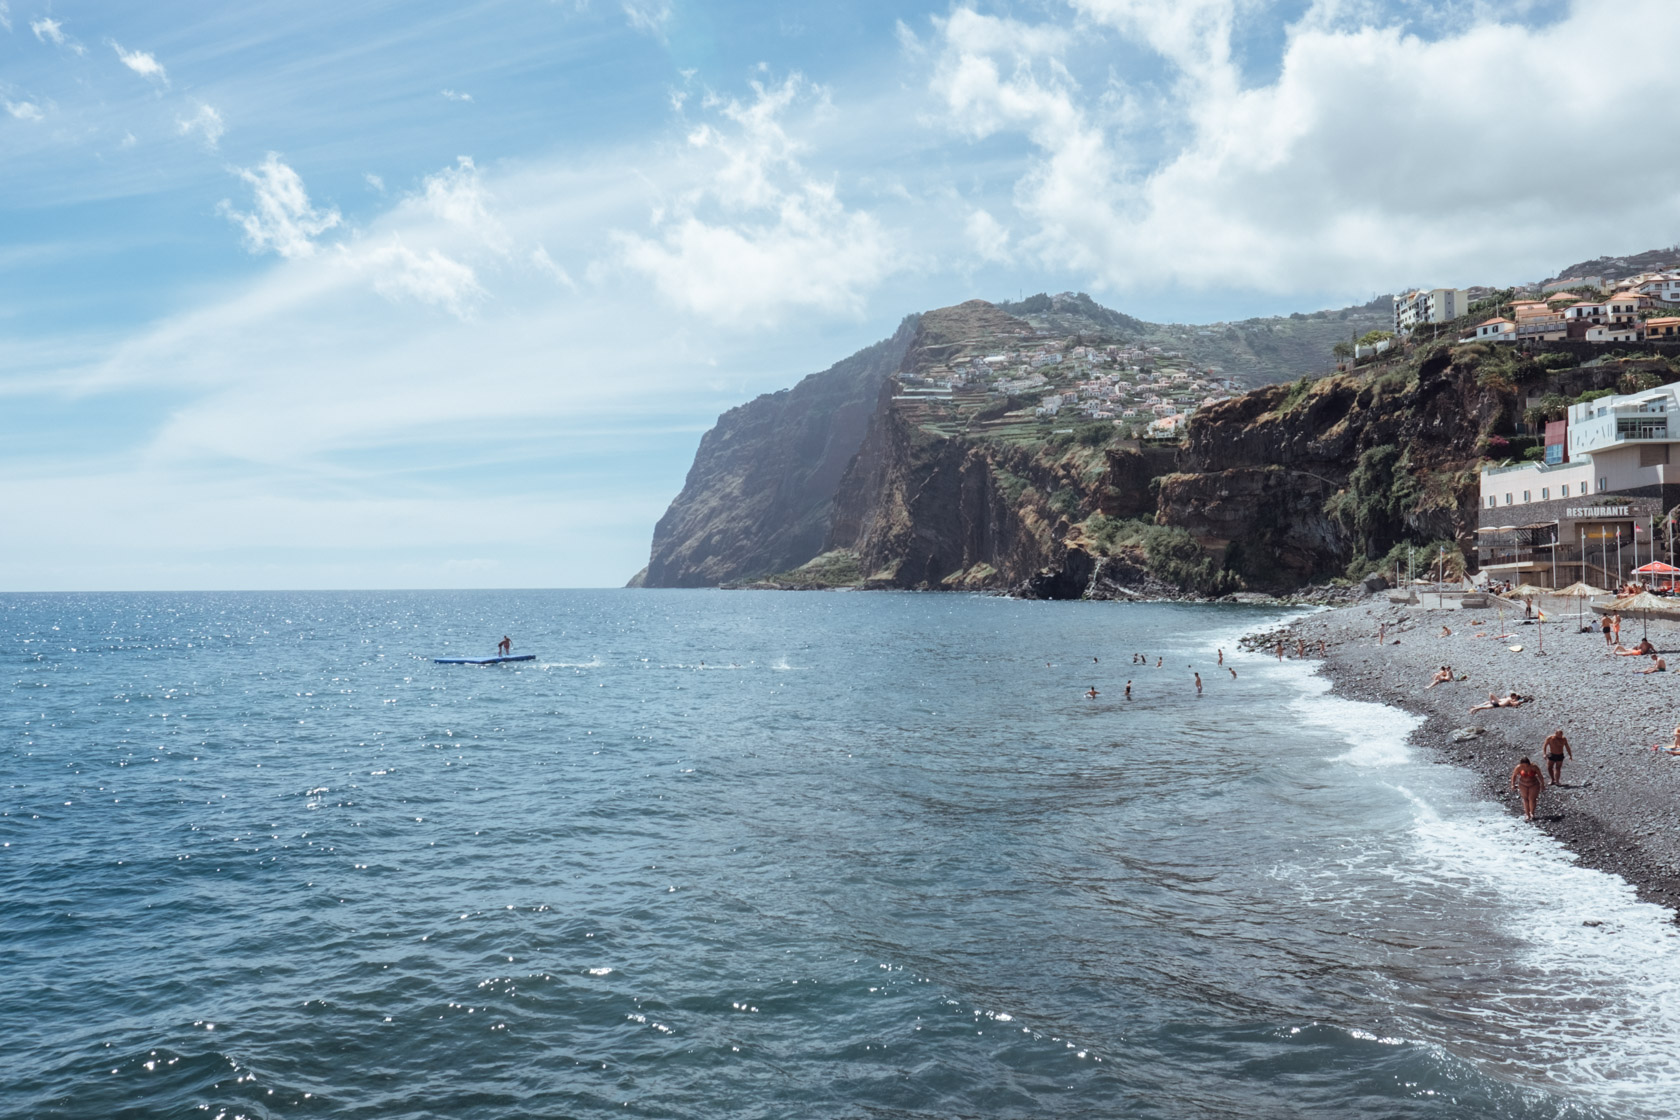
<point>416,295</point>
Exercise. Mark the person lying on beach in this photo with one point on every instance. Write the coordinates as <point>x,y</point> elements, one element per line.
<point>1526,780</point>
<point>1661,666</point>
<point>1509,700</point>
<point>1643,649</point>
<point>1443,675</point>
<point>1672,748</point>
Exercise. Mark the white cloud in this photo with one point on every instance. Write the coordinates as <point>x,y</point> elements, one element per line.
<point>46,30</point>
<point>545,263</point>
<point>141,62</point>
<point>451,95</point>
<point>1363,164</point>
<point>648,15</point>
<point>24,110</point>
<point>206,122</point>
<point>757,234</point>
<point>429,277</point>
<point>281,218</point>
<point>457,196</point>
<point>128,140</point>
<point>5,15</point>
<point>374,181</point>
<point>988,237</point>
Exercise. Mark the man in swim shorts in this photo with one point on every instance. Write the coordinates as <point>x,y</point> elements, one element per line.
<point>505,646</point>
<point>1526,780</point>
<point>1557,745</point>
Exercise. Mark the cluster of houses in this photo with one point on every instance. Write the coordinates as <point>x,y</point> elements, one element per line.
<point>1147,387</point>
<point>1575,307</point>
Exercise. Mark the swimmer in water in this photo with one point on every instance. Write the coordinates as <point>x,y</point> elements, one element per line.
<point>1158,662</point>
<point>1222,657</point>
<point>1091,692</point>
<point>1129,696</point>
<point>1232,671</point>
<point>1198,684</point>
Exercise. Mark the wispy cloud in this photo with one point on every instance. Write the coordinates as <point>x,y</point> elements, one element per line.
<point>452,95</point>
<point>5,15</point>
<point>429,277</point>
<point>648,15</point>
<point>755,234</point>
<point>374,181</point>
<point>142,63</point>
<point>206,122</point>
<point>281,218</point>
<point>24,110</point>
<point>545,263</point>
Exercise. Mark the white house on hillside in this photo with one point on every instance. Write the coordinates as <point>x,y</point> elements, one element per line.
<point>1433,305</point>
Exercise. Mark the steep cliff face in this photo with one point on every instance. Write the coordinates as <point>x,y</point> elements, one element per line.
<point>1288,484</point>
<point>759,497</point>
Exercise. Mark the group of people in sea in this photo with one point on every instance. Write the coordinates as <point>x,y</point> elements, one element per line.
<point>1092,693</point>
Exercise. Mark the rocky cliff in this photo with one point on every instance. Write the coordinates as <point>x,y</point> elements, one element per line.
<point>939,459</point>
<point>760,494</point>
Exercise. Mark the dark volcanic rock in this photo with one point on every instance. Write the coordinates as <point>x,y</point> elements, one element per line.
<point>760,495</point>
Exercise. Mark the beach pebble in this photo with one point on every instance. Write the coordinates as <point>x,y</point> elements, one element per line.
<point>1465,734</point>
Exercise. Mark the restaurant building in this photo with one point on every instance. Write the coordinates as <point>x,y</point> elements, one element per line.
<point>1590,509</point>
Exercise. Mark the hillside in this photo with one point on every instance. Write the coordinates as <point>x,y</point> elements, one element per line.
<point>759,498</point>
<point>992,447</point>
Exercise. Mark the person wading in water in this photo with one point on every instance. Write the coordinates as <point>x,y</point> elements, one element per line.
<point>1528,782</point>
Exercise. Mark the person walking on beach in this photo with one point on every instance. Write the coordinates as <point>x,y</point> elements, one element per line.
<point>1300,648</point>
<point>1222,657</point>
<point>1557,745</point>
<point>1280,649</point>
<point>1322,652</point>
<point>1616,629</point>
<point>1604,625</point>
<point>505,646</point>
<point>1382,632</point>
<point>1526,780</point>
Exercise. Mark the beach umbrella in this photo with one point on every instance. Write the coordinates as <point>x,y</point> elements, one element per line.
<point>1644,605</point>
<point>1658,568</point>
<point>1581,592</point>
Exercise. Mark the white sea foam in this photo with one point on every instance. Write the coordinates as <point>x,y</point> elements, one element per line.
<point>1572,965</point>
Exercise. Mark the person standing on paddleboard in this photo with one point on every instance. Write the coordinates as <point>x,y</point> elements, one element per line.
<point>504,647</point>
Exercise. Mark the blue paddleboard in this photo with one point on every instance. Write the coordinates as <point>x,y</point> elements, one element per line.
<point>484,660</point>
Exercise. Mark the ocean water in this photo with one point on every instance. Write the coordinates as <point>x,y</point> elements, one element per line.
<point>770,855</point>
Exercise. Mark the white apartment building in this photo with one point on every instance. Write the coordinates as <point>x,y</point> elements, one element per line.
<point>1542,521</point>
<point>1433,305</point>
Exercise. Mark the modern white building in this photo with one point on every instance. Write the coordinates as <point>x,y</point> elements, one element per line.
<point>1544,521</point>
<point>1432,305</point>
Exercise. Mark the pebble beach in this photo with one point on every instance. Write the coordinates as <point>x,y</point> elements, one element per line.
<point>1616,807</point>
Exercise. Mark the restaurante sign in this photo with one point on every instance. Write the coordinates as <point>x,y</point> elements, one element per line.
<point>1596,511</point>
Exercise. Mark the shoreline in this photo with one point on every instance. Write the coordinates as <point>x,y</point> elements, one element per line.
<point>1616,809</point>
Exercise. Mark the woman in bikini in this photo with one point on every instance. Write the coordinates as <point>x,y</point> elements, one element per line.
<point>1443,676</point>
<point>1527,780</point>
